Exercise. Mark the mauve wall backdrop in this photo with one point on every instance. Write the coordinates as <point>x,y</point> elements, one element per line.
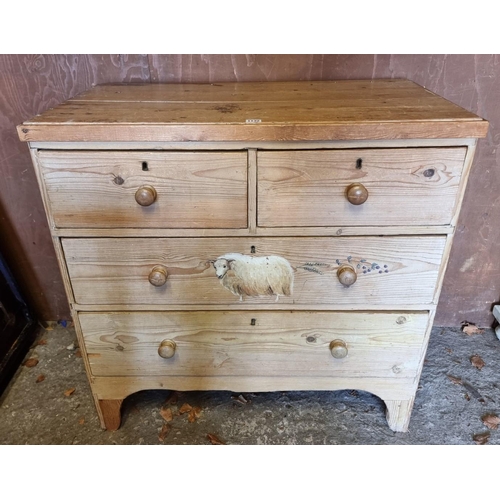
<point>29,84</point>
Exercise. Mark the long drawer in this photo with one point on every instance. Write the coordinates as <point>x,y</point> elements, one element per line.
<point>253,344</point>
<point>234,272</point>
<point>100,189</point>
<point>360,187</point>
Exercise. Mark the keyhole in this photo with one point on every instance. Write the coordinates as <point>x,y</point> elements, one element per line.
<point>252,249</point>
<point>359,163</point>
<point>253,321</point>
<point>145,166</point>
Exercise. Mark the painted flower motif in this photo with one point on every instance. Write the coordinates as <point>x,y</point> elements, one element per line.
<point>360,265</point>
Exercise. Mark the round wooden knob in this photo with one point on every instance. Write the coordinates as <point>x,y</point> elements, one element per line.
<point>338,348</point>
<point>347,275</point>
<point>145,196</point>
<point>167,349</point>
<point>356,194</point>
<point>158,276</point>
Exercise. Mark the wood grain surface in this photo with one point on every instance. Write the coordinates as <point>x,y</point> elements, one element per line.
<point>307,188</point>
<point>31,84</point>
<point>193,190</point>
<point>115,272</point>
<point>119,387</point>
<point>403,92</point>
<point>210,344</point>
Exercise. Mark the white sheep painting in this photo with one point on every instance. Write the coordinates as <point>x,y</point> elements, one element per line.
<point>246,275</point>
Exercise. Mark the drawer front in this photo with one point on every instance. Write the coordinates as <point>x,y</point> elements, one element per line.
<point>298,272</point>
<point>185,189</point>
<point>252,344</point>
<point>413,186</point>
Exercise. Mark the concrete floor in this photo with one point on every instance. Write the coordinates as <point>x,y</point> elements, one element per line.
<point>445,412</point>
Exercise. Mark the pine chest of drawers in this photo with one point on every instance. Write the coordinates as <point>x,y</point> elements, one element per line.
<point>254,236</point>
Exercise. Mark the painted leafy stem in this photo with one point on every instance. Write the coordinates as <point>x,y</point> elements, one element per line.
<point>361,266</point>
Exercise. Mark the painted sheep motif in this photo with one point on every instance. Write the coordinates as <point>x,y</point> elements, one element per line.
<point>254,276</point>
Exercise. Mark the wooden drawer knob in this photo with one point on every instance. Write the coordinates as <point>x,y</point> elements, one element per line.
<point>338,348</point>
<point>167,349</point>
<point>347,275</point>
<point>158,276</point>
<point>145,196</point>
<point>356,194</point>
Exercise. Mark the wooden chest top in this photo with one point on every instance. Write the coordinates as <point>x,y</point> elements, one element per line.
<point>255,111</point>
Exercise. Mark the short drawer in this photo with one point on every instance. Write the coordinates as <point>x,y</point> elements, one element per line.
<point>411,186</point>
<point>146,189</point>
<point>253,344</point>
<point>245,272</point>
